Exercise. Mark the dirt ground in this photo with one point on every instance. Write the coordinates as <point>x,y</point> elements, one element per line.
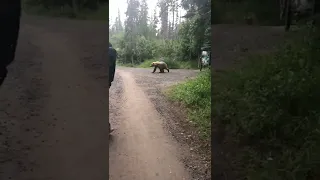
<point>53,112</point>
<point>162,123</point>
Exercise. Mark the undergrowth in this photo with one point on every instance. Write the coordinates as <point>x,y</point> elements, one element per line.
<point>270,111</point>
<point>195,94</point>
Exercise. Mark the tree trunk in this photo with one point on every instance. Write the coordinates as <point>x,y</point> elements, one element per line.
<point>190,53</point>
<point>288,15</point>
<point>314,11</point>
<point>132,60</point>
<point>75,7</point>
<point>173,9</point>
<point>282,9</point>
<point>199,60</point>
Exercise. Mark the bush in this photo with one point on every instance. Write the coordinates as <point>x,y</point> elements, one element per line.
<point>195,94</point>
<point>270,110</point>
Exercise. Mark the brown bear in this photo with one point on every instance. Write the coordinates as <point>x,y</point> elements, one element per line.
<point>161,65</point>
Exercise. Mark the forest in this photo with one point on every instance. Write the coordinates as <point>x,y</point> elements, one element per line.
<point>166,34</point>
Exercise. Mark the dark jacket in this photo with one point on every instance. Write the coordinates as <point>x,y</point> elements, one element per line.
<point>10,12</point>
<point>112,63</point>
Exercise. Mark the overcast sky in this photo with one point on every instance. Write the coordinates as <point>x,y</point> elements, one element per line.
<point>114,5</point>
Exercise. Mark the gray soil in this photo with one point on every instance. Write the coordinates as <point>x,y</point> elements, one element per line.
<point>54,112</point>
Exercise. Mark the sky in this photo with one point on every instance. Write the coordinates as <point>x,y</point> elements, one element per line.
<point>114,5</point>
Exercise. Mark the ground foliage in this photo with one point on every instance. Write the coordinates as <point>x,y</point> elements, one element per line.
<point>269,110</point>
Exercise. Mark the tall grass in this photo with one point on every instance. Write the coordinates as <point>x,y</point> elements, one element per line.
<point>195,94</point>
<point>270,110</point>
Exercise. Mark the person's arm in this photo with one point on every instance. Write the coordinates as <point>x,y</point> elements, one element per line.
<point>10,24</point>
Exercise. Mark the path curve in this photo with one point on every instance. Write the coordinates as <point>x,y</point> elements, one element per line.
<point>140,149</point>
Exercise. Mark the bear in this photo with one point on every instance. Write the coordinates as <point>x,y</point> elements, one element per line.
<point>161,65</point>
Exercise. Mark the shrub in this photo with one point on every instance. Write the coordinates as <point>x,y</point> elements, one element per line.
<point>270,109</point>
<point>195,94</point>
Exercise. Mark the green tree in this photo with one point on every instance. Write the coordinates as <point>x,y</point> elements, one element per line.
<point>131,28</point>
<point>118,23</point>
<point>164,16</point>
<point>164,34</point>
<point>143,19</point>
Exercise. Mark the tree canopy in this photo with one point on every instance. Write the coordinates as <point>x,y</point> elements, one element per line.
<point>165,34</point>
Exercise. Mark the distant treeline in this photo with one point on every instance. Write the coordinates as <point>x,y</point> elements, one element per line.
<point>75,4</point>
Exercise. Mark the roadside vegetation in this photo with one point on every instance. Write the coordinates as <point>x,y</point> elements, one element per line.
<point>267,109</point>
<point>195,95</point>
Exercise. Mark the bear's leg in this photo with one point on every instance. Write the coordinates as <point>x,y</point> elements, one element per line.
<point>154,70</point>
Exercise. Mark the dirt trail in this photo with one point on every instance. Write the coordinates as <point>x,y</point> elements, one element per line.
<point>80,116</point>
<point>155,129</point>
<point>141,149</point>
<point>65,137</point>
<point>53,111</point>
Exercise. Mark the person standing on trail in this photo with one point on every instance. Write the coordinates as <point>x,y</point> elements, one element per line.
<point>112,68</point>
<point>10,12</point>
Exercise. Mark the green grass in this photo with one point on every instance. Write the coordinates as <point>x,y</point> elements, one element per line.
<point>270,111</point>
<point>171,64</point>
<point>126,65</point>
<point>195,94</point>
<point>100,14</point>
